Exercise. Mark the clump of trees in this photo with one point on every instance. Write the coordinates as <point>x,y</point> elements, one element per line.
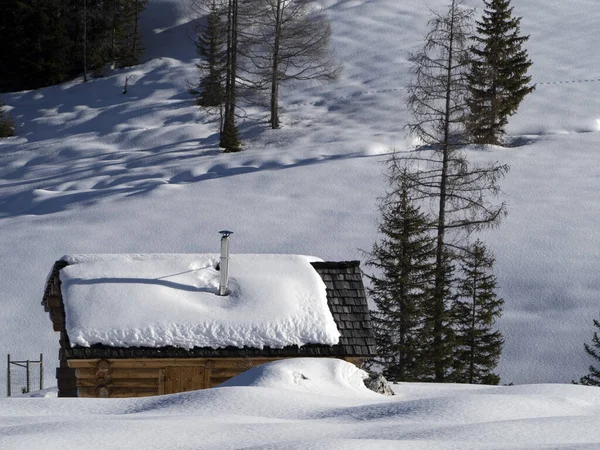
<point>453,333</point>
<point>249,48</point>
<point>7,125</point>
<point>404,287</point>
<point>49,41</point>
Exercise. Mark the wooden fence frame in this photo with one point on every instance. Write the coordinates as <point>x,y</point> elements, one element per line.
<point>26,364</point>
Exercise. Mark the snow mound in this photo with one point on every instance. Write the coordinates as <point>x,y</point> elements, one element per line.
<point>172,299</point>
<point>320,376</point>
<point>51,392</point>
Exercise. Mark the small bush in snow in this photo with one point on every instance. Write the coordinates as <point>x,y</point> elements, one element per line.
<point>7,125</point>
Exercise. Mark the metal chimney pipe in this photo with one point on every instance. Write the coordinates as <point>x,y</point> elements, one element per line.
<point>224,265</point>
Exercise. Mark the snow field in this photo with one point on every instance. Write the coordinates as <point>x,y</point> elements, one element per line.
<point>312,404</point>
<point>94,171</point>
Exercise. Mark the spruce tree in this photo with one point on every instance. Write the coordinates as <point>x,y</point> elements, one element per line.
<point>39,50</point>
<point>404,260</point>
<point>131,47</point>
<point>7,125</point>
<point>498,79</point>
<point>593,378</point>
<point>211,46</point>
<point>478,345</point>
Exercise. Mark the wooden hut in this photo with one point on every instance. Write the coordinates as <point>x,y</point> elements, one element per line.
<point>108,370</point>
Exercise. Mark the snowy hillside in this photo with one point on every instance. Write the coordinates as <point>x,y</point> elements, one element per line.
<point>95,171</point>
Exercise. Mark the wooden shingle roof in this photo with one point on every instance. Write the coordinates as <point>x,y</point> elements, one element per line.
<point>345,297</point>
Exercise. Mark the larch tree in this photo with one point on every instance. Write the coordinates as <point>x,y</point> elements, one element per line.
<point>498,79</point>
<point>478,344</point>
<point>457,190</point>
<point>289,41</point>
<point>403,262</point>
<point>593,350</point>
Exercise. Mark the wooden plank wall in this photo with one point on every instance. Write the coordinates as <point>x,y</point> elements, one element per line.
<point>115,378</point>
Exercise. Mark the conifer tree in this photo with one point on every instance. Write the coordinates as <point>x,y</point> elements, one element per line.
<point>477,344</point>
<point>211,46</point>
<point>7,125</point>
<point>404,260</point>
<point>41,44</point>
<point>104,33</point>
<point>131,48</point>
<point>498,79</point>
<point>457,189</point>
<point>593,378</point>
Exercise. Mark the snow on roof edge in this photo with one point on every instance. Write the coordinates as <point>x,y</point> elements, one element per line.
<point>156,300</point>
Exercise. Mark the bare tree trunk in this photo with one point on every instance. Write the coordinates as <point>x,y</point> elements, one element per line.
<point>440,278</point>
<point>84,40</point>
<point>473,324</point>
<point>229,138</point>
<point>228,73</point>
<point>275,69</point>
<point>136,31</point>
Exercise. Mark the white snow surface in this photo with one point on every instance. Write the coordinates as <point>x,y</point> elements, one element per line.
<point>94,171</point>
<point>320,376</point>
<point>155,300</point>
<point>311,404</point>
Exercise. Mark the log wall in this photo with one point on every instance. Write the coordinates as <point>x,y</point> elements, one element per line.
<point>117,378</point>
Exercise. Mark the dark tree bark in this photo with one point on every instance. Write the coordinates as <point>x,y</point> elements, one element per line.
<point>229,140</point>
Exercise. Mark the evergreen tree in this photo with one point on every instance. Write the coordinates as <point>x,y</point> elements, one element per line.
<point>593,378</point>
<point>36,48</point>
<point>7,125</point>
<point>456,188</point>
<point>131,47</point>
<point>404,260</point>
<point>497,80</point>
<point>103,22</point>
<point>50,41</point>
<point>478,345</point>
<point>211,46</point>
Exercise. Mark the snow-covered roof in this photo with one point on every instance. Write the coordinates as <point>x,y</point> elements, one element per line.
<point>157,300</point>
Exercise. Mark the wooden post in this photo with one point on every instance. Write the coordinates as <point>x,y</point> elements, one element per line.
<point>41,371</point>
<point>8,377</point>
<point>28,376</point>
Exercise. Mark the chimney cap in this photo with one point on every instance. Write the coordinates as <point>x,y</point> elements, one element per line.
<point>226,233</point>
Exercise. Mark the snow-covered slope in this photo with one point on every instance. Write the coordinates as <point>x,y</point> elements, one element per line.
<point>316,405</point>
<point>96,171</point>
